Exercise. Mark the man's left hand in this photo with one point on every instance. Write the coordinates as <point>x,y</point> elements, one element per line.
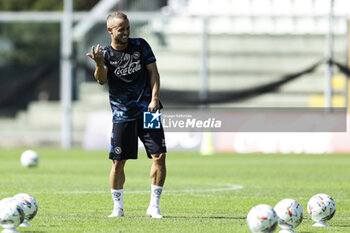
<point>153,106</point>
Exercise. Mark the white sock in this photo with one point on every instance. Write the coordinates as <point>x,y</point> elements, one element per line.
<point>156,191</point>
<point>117,196</point>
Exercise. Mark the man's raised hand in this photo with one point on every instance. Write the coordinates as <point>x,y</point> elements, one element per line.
<point>97,55</point>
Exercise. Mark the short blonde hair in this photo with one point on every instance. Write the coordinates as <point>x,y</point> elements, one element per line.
<point>117,15</point>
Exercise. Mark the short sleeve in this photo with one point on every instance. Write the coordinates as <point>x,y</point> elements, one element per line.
<point>147,53</point>
<point>105,56</point>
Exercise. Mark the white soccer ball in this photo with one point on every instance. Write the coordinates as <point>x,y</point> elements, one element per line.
<point>11,214</point>
<point>262,219</point>
<point>290,213</point>
<point>29,158</point>
<point>28,204</point>
<point>321,207</point>
<point>5,201</point>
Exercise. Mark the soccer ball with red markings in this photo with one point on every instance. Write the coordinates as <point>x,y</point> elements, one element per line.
<point>321,208</point>
<point>29,206</point>
<point>11,213</point>
<point>262,219</point>
<point>290,213</point>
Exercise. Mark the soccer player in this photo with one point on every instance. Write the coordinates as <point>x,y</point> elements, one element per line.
<point>129,67</point>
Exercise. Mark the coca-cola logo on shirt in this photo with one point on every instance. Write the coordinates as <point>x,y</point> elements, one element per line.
<point>127,64</point>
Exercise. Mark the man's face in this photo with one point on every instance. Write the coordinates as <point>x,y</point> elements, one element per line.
<point>119,29</point>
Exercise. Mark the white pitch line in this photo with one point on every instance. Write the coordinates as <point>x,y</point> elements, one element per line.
<point>228,187</point>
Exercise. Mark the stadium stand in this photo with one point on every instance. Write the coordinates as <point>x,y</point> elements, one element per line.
<point>250,43</point>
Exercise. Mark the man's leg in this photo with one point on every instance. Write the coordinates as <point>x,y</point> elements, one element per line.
<point>117,175</point>
<point>158,174</point>
<point>123,147</point>
<point>117,179</point>
<point>158,169</point>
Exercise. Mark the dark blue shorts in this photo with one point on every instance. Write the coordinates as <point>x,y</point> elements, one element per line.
<point>124,140</point>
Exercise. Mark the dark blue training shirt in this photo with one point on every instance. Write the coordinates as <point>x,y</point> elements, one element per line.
<point>128,79</point>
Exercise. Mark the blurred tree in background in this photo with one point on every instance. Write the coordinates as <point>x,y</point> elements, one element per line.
<point>44,5</point>
<point>33,43</point>
<point>26,47</point>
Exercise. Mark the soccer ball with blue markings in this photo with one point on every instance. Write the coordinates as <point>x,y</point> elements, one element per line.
<point>11,214</point>
<point>262,219</point>
<point>290,213</point>
<point>321,208</point>
<point>29,206</point>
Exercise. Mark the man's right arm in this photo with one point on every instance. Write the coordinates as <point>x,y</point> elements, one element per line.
<point>100,70</point>
<point>101,73</point>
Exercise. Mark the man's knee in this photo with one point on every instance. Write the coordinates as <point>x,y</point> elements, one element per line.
<point>118,165</point>
<point>159,158</point>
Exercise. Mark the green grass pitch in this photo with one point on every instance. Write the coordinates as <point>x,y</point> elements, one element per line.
<point>201,194</point>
